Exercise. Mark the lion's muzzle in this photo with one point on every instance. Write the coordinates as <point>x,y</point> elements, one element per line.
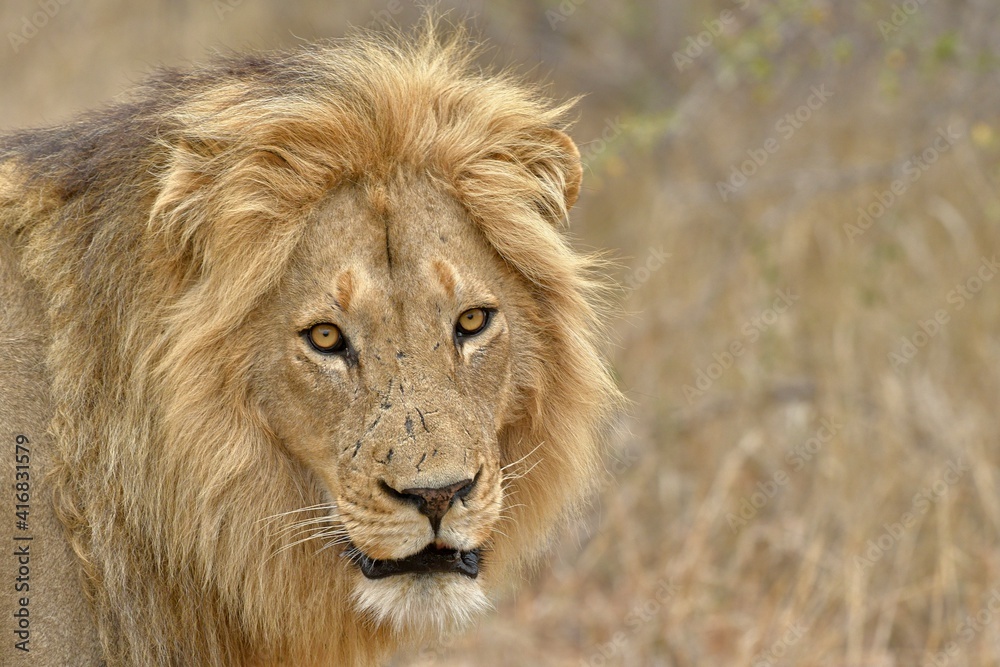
<point>436,557</point>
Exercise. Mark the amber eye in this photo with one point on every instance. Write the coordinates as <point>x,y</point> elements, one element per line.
<point>326,337</point>
<point>472,322</point>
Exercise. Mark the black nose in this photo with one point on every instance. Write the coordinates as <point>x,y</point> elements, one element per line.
<point>433,503</point>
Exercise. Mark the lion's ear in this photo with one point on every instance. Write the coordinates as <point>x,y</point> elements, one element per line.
<point>214,196</point>
<point>557,165</point>
<point>572,165</point>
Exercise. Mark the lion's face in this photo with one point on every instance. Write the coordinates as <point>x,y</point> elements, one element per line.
<point>389,371</point>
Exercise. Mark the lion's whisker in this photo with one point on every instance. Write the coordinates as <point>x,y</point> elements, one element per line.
<point>513,476</point>
<point>514,463</point>
<point>304,523</point>
<point>333,543</point>
<point>510,491</point>
<point>322,506</point>
<point>314,530</point>
<point>295,543</point>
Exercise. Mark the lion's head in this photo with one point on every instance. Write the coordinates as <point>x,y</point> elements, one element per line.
<point>323,362</point>
<point>394,357</point>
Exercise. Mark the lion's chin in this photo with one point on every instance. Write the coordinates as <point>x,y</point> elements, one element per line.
<point>422,604</point>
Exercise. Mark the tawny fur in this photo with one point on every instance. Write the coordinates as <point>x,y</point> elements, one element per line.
<point>166,234</point>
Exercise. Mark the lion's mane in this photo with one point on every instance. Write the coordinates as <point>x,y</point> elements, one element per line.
<point>155,227</point>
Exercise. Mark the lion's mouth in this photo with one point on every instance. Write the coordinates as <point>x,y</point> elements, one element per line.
<point>431,560</point>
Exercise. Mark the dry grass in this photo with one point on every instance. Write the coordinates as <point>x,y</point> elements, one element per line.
<point>661,573</point>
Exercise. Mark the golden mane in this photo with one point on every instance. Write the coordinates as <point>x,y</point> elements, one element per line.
<point>156,227</point>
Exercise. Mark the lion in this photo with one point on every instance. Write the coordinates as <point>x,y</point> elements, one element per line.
<point>299,366</point>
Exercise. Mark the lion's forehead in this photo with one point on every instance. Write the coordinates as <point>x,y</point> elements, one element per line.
<point>395,247</point>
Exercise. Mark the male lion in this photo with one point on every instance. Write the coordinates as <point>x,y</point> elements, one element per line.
<point>295,353</point>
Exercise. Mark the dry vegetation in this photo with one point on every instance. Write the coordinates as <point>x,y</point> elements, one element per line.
<point>808,498</point>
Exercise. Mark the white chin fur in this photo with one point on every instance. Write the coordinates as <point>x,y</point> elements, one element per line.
<point>424,604</point>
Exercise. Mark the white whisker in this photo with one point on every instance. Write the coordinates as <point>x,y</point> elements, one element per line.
<point>511,477</point>
<point>322,506</point>
<point>514,463</point>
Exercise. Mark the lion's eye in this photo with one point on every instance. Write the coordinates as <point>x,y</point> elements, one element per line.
<point>326,337</point>
<point>472,322</point>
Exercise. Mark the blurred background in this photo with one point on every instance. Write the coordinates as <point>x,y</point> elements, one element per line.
<point>801,198</point>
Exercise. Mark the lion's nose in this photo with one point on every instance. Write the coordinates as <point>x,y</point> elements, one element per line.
<point>433,503</point>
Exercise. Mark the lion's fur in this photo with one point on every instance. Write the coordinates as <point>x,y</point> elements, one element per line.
<point>154,229</point>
